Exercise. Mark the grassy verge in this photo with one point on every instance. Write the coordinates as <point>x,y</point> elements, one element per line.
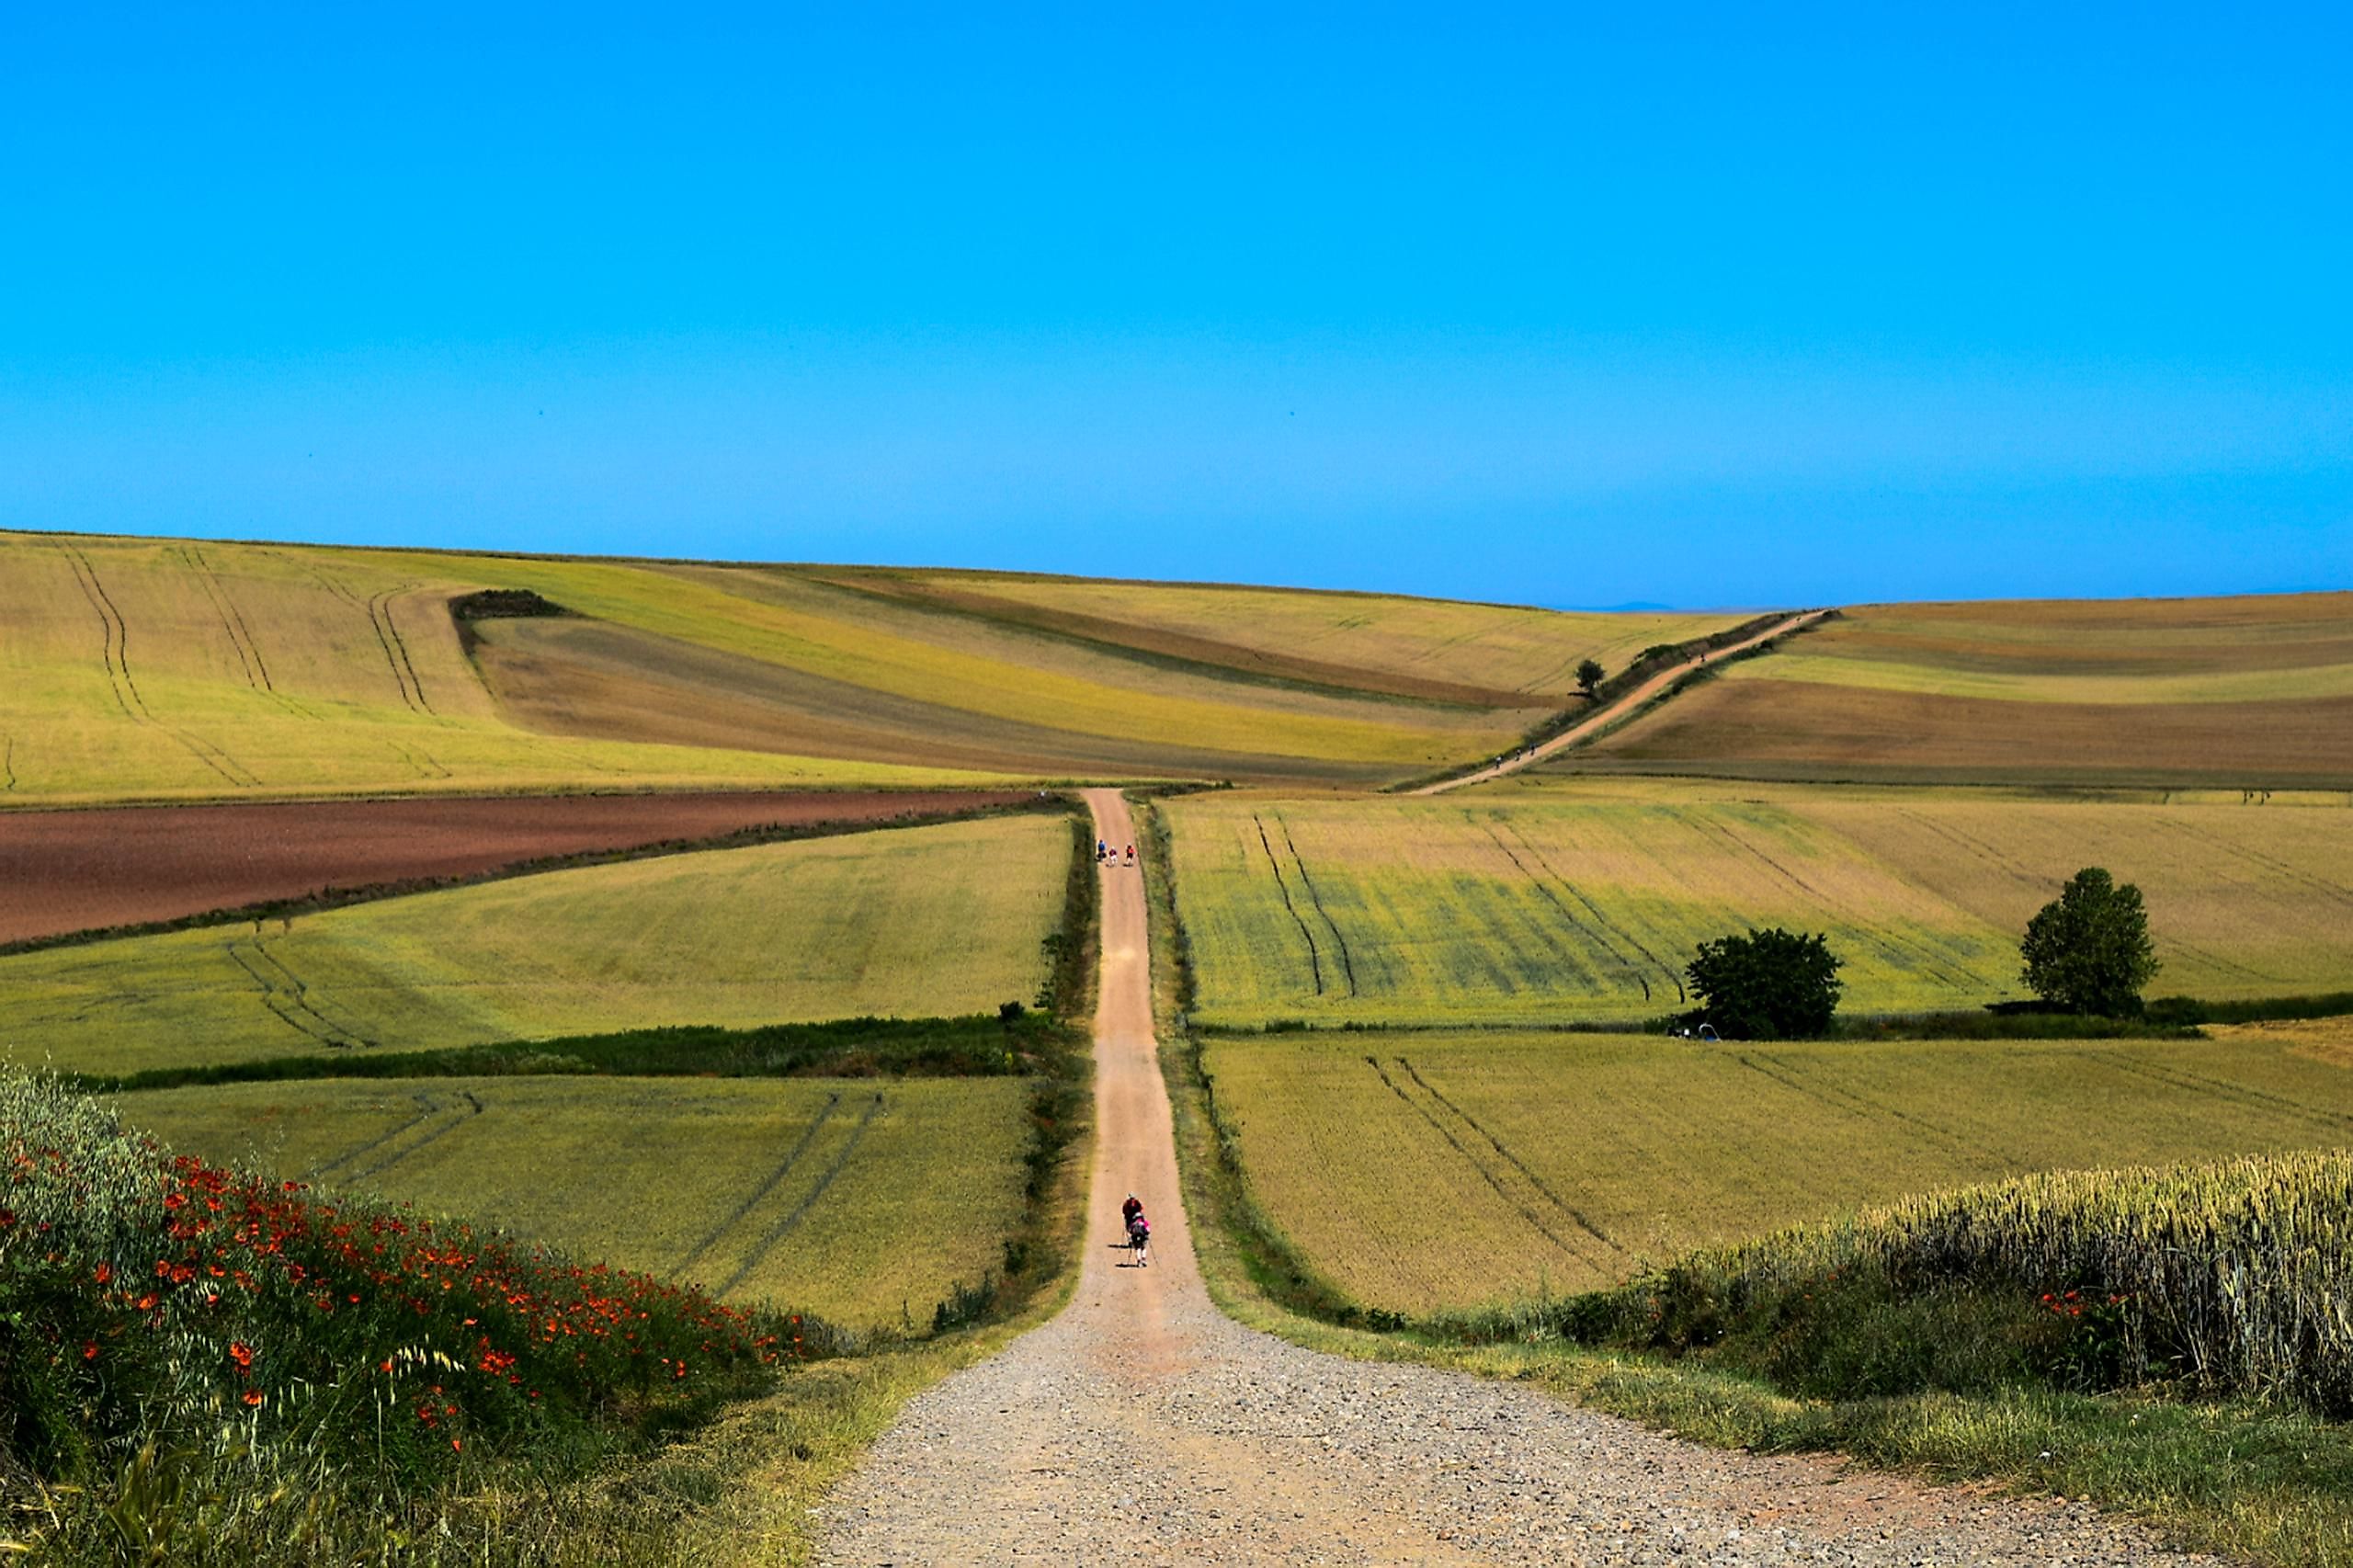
<point>2264,1479</point>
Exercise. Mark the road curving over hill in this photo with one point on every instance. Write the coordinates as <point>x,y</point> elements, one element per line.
<point>1622,706</point>
<point>1141,1426</point>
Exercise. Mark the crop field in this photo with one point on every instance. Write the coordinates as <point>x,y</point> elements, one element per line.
<point>670,655</point>
<point>81,871</point>
<point>1498,655</point>
<point>913,922</point>
<point>852,1199</point>
<point>149,669</point>
<point>1537,903</point>
<point>1427,1170</point>
<point>144,669</point>
<point>2245,693</point>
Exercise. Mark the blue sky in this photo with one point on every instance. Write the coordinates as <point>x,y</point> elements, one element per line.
<point>1696,306</point>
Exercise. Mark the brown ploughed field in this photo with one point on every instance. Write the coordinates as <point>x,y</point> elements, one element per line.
<point>78,870</point>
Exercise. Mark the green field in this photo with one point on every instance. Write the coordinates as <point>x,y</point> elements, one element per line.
<point>915,922</point>
<point>1536,902</point>
<point>852,1199</point>
<point>161,669</point>
<point>1420,1171</point>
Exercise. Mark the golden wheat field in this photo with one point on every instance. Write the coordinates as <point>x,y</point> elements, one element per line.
<point>162,669</point>
<point>856,1200</point>
<point>911,922</point>
<point>1532,903</point>
<point>1420,1171</point>
<point>1497,654</point>
<point>148,669</point>
<point>2245,693</point>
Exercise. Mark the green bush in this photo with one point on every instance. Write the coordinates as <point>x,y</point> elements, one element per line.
<point>1769,984</point>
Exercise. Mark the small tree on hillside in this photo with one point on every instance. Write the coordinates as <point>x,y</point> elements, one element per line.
<point>1770,984</point>
<point>2088,950</point>
<point>1590,675</point>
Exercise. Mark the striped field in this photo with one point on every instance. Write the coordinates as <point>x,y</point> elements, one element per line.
<point>161,669</point>
<point>1530,902</point>
<point>1420,1171</point>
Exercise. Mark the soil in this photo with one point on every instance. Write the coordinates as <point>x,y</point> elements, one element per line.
<point>1142,1426</point>
<point>65,872</point>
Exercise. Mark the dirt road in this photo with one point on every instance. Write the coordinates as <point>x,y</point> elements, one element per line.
<point>1142,1426</point>
<point>1619,707</point>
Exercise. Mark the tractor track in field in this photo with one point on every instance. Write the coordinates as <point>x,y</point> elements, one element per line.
<point>2288,870</point>
<point>377,608</point>
<point>1314,954</point>
<point>776,1178</point>
<point>2044,885</point>
<point>1538,1182</point>
<point>1602,921</point>
<point>274,1000</point>
<point>115,652</point>
<point>2176,1077</point>
<point>782,1228</point>
<point>432,1109</point>
<point>1837,1097</point>
<point>1535,1220</point>
<point>1340,940</point>
<point>1141,1426</point>
<point>475,1108</point>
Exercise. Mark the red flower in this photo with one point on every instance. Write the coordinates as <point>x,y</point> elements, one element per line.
<point>252,1397</point>
<point>103,1273</point>
<point>89,1350</point>
<point>243,1355</point>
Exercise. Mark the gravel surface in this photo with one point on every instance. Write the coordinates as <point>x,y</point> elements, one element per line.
<point>1142,1425</point>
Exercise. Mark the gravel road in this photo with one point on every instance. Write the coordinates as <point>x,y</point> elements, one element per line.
<point>1142,1425</point>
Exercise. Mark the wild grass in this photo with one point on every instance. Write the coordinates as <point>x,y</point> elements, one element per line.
<point>2222,1280</point>
<point>914,921</point>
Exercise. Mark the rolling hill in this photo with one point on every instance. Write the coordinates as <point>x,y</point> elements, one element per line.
<point>2239,693</point>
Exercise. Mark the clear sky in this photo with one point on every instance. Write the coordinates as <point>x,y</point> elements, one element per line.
<point>1572,306</point>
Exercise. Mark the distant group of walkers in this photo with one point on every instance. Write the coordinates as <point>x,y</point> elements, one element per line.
<point>1107,856</point>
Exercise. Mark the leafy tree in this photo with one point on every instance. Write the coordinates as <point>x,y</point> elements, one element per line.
<point>1770,984</point>
<point>1590,675</point>
<point>2088,950</point>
